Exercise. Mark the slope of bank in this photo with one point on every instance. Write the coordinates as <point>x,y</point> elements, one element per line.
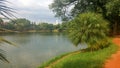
<point>81,59</point>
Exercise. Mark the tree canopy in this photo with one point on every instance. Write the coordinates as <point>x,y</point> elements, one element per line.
<point>20,24</point>
<point>68,9</point>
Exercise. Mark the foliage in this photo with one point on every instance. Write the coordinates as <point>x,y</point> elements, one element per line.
<point>2,56</point>
<point>113,13</point>
<point>45,26</point>
<point>113,7</point>
<point>1,22</point>
<point>68,9</point>
<point>6,12</point>
<point>20,24</point>
<point>94,59</point>
<point>89,28</point>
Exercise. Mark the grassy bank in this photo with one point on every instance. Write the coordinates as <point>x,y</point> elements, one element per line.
<point>94,59</point>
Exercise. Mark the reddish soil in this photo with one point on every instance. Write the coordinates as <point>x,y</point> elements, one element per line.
<point>114,61</point>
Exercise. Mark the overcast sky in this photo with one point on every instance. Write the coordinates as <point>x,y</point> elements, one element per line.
<point>34,10</point>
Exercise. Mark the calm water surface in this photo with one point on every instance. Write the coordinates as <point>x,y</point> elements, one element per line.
<point>34,49</point>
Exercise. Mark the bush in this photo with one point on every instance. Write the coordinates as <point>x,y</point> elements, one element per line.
<point>89,28</point>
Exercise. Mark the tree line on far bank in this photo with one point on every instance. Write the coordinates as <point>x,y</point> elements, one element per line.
<point>24,25</point>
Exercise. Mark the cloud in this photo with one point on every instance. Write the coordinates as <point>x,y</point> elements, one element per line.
<point>34,10</point>
<point>31,3</point>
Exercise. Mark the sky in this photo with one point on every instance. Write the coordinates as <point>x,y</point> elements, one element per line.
<point>34,10</point>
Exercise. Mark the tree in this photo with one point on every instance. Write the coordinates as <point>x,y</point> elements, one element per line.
<point>71,8</point>
<point>64,25</point>
<point>113,12</point>
<point>45,26</point>
<point>1,22</point>
<point>89,28</point>
<point>68,9</point>
<point>21,24</point>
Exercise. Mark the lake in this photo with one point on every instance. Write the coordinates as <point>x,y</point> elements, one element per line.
<point>34,49</point>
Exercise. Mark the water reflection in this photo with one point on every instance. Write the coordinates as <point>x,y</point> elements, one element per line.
<point>35,48</point>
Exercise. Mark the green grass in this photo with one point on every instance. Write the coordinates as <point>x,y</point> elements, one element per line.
<point>52,60</point>
<point>94,59</point>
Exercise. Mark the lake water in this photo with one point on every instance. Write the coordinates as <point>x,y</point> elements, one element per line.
<point>34,49</point>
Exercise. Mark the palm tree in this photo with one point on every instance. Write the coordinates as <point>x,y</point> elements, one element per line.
<point>6,12</point>
<point>89,28</point>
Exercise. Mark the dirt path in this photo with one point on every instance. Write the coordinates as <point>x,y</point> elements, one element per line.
<point>114,61</point>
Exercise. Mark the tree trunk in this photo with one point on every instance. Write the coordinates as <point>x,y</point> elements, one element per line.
<point>115,28</point>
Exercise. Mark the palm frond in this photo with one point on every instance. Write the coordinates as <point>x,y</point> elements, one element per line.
<point>2,56</point>
<point>7,13</point>
<point>6,41</point>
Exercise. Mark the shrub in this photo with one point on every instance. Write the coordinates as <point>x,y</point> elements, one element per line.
<point>89,28</point>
